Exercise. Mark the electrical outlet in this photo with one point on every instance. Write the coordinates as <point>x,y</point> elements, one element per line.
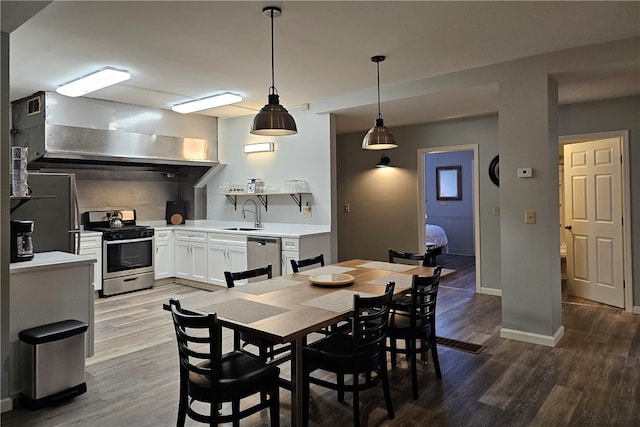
<point>347,208</point>
<point>529,217</point>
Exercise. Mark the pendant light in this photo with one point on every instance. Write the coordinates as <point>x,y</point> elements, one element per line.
<point>273,119</point>
<point>379,137</point>
<point>384,162</point>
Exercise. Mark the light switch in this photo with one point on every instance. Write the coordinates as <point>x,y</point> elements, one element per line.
<point>529,217</point>
<point>496,211</point>
<point>347,208</point>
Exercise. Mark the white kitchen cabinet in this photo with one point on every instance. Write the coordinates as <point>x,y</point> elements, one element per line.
<point>91,244</point>
<point>164,258</point>
<point>302,248</point>
<point>226,252</point>
<point>191,255</point>
<point>287,256</point>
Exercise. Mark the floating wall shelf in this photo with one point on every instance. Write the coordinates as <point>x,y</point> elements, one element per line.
<point>264,198</point>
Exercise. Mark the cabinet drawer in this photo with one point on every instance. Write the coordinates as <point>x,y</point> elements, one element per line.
<point>163,234</point>
<point>192,236</point>
<point>227,238</point>
<point>290,244</point>
<point>90,242</point>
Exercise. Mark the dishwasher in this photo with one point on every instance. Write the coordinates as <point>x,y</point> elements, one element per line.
<point>262,251</point>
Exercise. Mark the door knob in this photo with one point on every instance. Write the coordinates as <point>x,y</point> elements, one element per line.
<point>567,227</point>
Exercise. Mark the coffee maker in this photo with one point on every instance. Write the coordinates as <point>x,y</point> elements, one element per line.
<point>21,240</point>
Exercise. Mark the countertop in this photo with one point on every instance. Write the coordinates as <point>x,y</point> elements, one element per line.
<point>49,260</point>
<point>268,229</point>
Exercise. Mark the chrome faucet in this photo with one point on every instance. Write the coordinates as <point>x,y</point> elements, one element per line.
<point>256,212</point>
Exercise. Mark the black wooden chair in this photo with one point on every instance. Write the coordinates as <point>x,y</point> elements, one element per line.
<point>207,375</point>
<point>408,256</point>
<point>296,265</point>
<point>267,351</point>
<point>417,325</point>
<point>402,302</point>
<point>361,351</point>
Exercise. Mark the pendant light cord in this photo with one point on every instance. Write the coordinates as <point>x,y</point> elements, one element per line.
<point>272,89</point>
<point>378,68</point>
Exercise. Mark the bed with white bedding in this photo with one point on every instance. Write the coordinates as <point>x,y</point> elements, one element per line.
<point>436,242</point>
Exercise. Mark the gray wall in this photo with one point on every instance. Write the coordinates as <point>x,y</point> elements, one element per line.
<point>384,202</point>
<point>383,207</point>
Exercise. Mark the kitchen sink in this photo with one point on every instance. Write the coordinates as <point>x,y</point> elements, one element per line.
<point>240,229</point>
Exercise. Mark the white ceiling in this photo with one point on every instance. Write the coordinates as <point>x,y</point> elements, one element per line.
<point>179,50</point>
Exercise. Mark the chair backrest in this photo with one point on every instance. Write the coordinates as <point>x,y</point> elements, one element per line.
<point>297,264</point>
<point>424,295</point>
<point>231,278</point>
<point>369,322</point>
<point>407,256</point>
<point>194,346</point>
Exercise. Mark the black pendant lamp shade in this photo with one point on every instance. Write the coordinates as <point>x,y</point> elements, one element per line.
<point>379,137</point>
<point>273,119</point>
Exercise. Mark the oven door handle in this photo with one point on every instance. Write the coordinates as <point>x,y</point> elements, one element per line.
<point>117,242</point>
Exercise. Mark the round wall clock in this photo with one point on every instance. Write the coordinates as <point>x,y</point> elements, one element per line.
<point>494,170</point>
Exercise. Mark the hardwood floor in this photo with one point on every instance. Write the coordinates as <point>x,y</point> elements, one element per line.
<point>590,379</point>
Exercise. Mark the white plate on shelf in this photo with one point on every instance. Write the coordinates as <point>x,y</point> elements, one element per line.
<point>333,279</point>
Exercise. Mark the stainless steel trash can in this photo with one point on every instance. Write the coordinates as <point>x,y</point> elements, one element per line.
<point>53,365</point>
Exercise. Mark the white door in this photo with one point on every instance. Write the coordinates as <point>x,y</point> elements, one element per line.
<point>593,220</point>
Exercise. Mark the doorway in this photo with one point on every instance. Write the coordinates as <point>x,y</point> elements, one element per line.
<point>592,234</point>
<point>469,193</point>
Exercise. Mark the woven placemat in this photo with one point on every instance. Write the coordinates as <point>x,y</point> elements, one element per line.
<point>244,311</point>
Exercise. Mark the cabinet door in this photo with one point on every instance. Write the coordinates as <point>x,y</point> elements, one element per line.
<point>163,264</point>
<point>237,258</point>
<point>199,260</point>
<point>184,259</point>
<point>287,256</point>
<point>217,264</point>
<point>92,246</point>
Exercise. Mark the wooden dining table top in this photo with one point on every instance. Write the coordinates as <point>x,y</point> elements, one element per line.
<point>286,308</point>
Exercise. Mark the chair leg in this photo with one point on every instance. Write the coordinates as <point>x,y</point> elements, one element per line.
<point>306,395</point>
<point>386,390</point>
<point>413,354</point>
<point>235,410</point>
<point>274,407</point>
<point>236,340</point>
<point>393,350</point>
<point>434,356</point>
<point>182,404</point>
<point>356,401</point>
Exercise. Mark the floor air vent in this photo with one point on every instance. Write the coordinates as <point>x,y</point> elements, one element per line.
<point>459,345</point>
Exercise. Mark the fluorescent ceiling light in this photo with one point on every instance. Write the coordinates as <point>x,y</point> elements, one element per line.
<point>92,82</point>
<point>258,148</point>
<point>206,103</point>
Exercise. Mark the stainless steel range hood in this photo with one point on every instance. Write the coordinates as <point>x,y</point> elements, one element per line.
<point>86,131</point>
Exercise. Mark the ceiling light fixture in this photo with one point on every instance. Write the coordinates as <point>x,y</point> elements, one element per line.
<point>384,162</point>
<point>379,137</point>
<point>92,82</point>
<point>273,119</point>
<point>259,147</point>
<point>206,103</point>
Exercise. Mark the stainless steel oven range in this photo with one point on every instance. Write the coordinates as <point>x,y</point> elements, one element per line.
<point>127,251</point>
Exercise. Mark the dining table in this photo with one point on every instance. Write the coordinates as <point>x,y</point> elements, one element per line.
<point>286,309</point>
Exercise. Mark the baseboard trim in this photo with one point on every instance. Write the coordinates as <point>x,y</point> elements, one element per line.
<point>6,404</point>
<point>490,291</point>
<point>530,337</point>
<point>636,309</point>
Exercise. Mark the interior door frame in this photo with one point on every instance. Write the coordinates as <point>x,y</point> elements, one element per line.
<point>422,152</point>
<point>626,204</point>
